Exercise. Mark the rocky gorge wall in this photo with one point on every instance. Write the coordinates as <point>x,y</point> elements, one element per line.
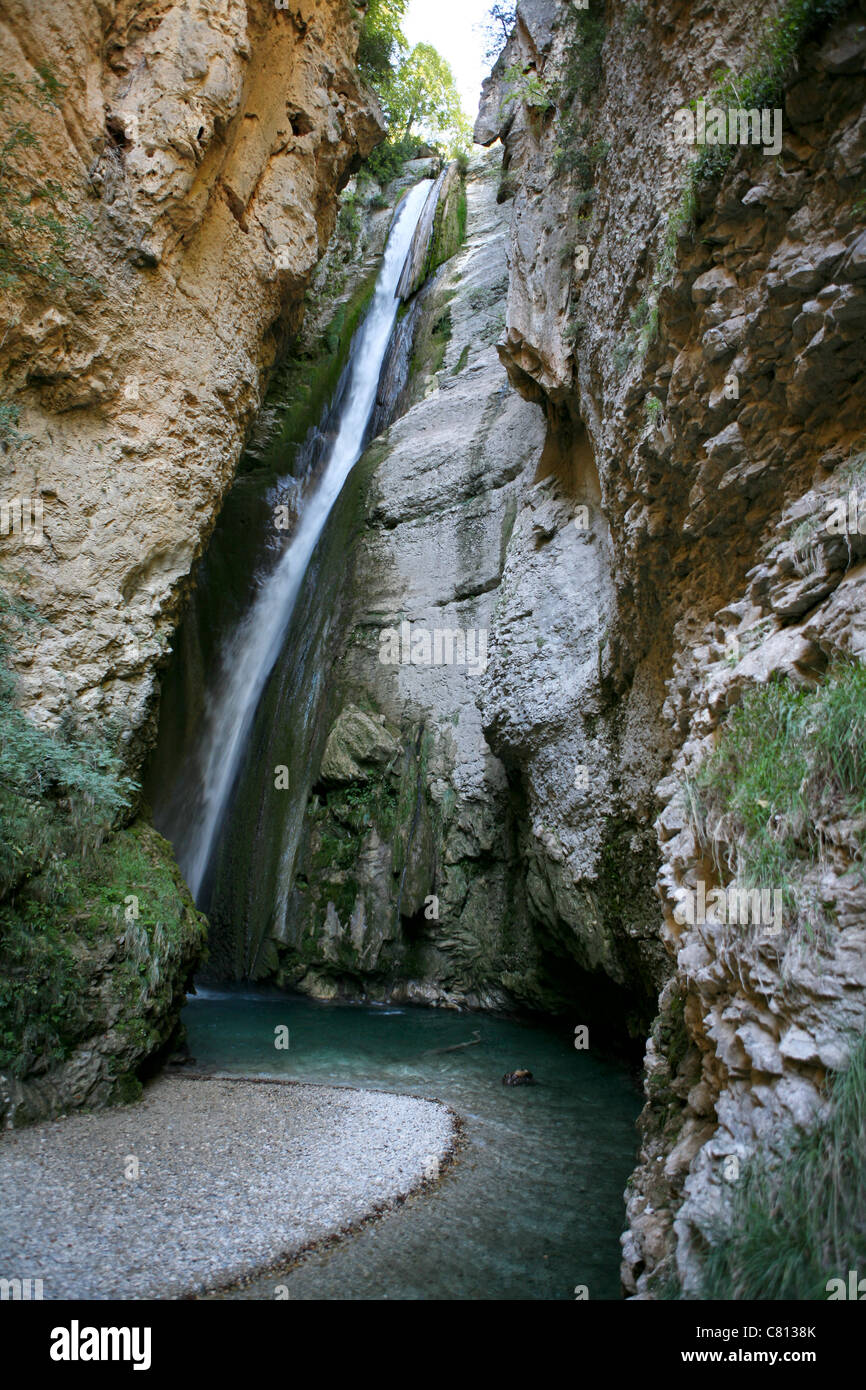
<point>702,378</point>
<point>620,409</point>
<point>199,149</point>
<point>408,875</point>
<point>205,143</point>
<point>429,870</point>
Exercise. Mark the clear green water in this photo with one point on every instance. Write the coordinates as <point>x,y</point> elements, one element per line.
<point>534,1204</point>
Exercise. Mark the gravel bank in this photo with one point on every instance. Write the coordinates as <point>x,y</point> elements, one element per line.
<point>234,1175</point>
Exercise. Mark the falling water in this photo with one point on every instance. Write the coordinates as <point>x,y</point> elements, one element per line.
<point>249,655</point>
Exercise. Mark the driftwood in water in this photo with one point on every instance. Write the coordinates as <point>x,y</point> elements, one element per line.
<point>458,1047</point>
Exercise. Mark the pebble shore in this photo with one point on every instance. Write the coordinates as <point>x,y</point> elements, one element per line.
<point>233,1176</point>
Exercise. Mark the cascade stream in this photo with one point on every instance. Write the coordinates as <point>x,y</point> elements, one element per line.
<point>195,798</point>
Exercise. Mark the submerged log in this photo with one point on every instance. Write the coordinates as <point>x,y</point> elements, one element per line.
<point>458,1047</point>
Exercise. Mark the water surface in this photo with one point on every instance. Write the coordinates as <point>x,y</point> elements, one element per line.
<point>534,1205</point>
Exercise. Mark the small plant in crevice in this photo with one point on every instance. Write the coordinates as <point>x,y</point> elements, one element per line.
<point>641,333</point>
<point>839,513</point>
<point>37,232</point>
<point>790,763</point>
<point>635,18</point>
<point>796,1225</point>
<point>506,189</point>
<point>10,434</point>
<point>585,40</point>
<point>573,333</point>
<point>779,41</point>
<point>852,473</point>
<point>524,84</point>
<point>644,320</point>
<point>622,355</point>
<point>461,361</point>
<point>349,221</point>
<point>774,52</point>
<point>577,155</point>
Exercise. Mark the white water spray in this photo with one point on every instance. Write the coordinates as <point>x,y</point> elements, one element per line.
<point>251,652</point>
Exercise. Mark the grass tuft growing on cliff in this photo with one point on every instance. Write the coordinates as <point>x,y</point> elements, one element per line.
<point>575,153</point>
<point>773,56</point>
<point>793,1226</point>
<point>774,52</point>
<point>788,763</point>
<point>37,233</point>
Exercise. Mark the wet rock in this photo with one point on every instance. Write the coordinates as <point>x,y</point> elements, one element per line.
<point>357,745</point>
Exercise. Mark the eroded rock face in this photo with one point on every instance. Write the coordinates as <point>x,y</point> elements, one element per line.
<point>489,864</point>
<point>206,144</point>
<point>702,393</point>
<point>409,878</point>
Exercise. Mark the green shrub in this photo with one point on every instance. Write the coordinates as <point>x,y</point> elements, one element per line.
<point>576,155</point>
<point>9,416</point>
<point>36,232</point>
<point>60,791</point>
<point>461,361</point>
<point>780,40</point>
<point>622,355</point>
<point>526,86</point>
<point>387,160</point>
<point>793,1225</point>
<point>634,17</point>
<point>787,760</point>
<point>507,188</point>
<point>583,62</point>
<point>462,213</point>
<point>348,218</point>
<point>777,45</point>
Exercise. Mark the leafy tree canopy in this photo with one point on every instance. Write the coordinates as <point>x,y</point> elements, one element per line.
<point>422,98</point>
<point>382,43</point>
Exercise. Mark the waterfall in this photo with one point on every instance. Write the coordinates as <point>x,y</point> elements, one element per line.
<point>250,653</point>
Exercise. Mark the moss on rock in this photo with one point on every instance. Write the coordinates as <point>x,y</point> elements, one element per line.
<point>92,982</point>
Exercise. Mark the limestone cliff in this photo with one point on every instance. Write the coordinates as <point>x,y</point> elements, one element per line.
<point>198,149</point>
<point>205,144</point>
<point>624,395</point>
<point>428,869</point>
<point>699,359</point>
<point>409,882</point>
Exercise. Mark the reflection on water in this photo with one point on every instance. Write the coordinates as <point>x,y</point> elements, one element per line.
<point>534,1205</point>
